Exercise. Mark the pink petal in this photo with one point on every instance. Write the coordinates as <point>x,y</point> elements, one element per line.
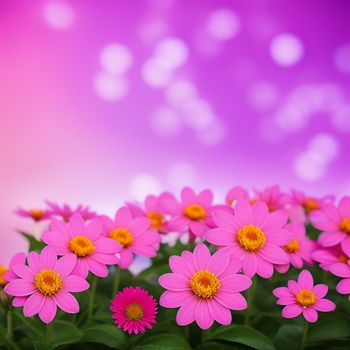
<point>225,220</point>
<point>286,301</point>
<point>172,299</point>
<point>17,259</point>
<point>305,280</point>
<point>122,217</point>
<point>330,239</point>
<point>171,206</point>
<point>343,287</point>
<point>243,212</point>
<point>107,259</point>
<point>180,266</point>
<point>204,318</point>
<point>249,264</point>
<point>234,266</point>
<point>66,302</point>
<point>320,290</point>
<point>264,268</point>
<point>76,225</point>
<point>151,203</point>
<point>126,258</point>
<point>205,197</point>
<point>48,311</point>
<point>81,268</point>
<point>173,282</point>
<point>24,272</point>
<point>279,237</point>
<point>310,314</point>
<point>34,262</point>
<point>107,246</point>
<point>340,270</point>
<point>235,283</point>
<point>94,228</point>
<point>201,255</point>
<point>48,258</point>
<point>275,220</point>
<point>291,311</point>
<point>282,292</point>
<point>345,245</point>
<point>178,223</point>
<point>296,261</point>
<point>259,214</point>
<point>293,287</point>
<point>19,301</point>
<point>234,301</point>
<point>97,268</point>
<point>273,254</point>
<point>139,226</point>
<point>33,304</point>
<point>219,262</point>
<point>187,312</point>
<point>188,196</point>
<point>344,207</point>
<point>56,240</point>
<point>219,236</point>
<point>322,222</point>
<point>66,264</point>
<point>75,284</point>
<point>142,250</point>
<point>324,305</point>
<point>198,228</point>
<point>220,313</point>
<point>20,288</point>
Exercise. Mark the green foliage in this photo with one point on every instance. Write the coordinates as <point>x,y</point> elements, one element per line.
<point>33,243</point>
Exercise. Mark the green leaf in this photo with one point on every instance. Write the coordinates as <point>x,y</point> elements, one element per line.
<point>216,345</point>
<point>243,335</point>
<point>106,334</point>
<point>287,337</point>
<point>34,244</point>
<point>64,333</point>
<point>162,342</point>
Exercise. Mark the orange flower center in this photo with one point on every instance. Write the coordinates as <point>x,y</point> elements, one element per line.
<point>122,236</point>
<point>251,238</point>
<point>310,204</point>
<point>134,311</point>
<point>195,212</point>
<point>345,225</point>
<point>156,220</point>
<point>292,246</point>
<point>306,298</point>
<point>81,246</point>
<point>48,282</point>
<point>3,270</point>
<point>204,284</point>
<point>343,258</point>
<point>37,214</point>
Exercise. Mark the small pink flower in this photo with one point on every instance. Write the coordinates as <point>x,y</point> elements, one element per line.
<point>273,197</point>
<point>303,297</point>
<point>192,213</point>
<point>153,211</point>
<point>253,235</point>
<point>35,214</point>
<point>85,240</point>
<point>334,221</point>
<point>47,283</point>
<point>65,212</point>
<point>342,269</point>
<point>328,256</point>
<point>133,234</point>
<point>299,249</point>
<point>235,193</point>
<point>205,287</point>
<point>134,310</point>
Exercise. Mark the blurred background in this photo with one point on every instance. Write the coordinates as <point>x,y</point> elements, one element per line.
<point>106,101</point>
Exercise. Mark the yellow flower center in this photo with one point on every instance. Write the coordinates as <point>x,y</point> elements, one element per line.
<point>204,284</point>
<point>37,214</point>
<point>306,298</point>
<point>292,246</point>
<point>122,236</point>
<point>195,212</point>
<point>81,246</point>
<point>3,270</point>
<point>251,238</point>
<point>345,225</point>
<point>343,258</point>
<point>134,311</point>
<point>48,282</point>
<point>156,220</point>
<point>310,204</point>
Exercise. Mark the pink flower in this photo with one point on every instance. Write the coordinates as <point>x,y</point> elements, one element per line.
<point>253,235</point>
<point>235,193</point>
<point>85,240</point>
<point>134,310</point>
<point>192,213</point>
<point>205,287</point>
<point>47,283</point>
<point>133,234</point>
<point>35,214</point>
<point>335,224</point>
<point>273,197</point>
<point>342,269</point>
<point>303,297</point>
<point>299,249</point>
<point>153,211</point>
<point>65,212</point>
<point>328,256</point>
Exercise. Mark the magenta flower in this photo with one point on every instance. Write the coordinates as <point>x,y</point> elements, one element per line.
<point>299,249</point>
<point>273,197</point>
<point>328,256</point>
<point>65,212</point>
<point>342,269</point>
<point>205,287</point>
<point>308,203</point>
<point>134,310</point>
<point>335,224</point>
<point>47,283</point>
<point>85,240</point>
<point>253,235</point>
<point>132,234</point>
<point>192,213</point>
<point>235,193</point>
<point>303,297</point>
<point>35,214</point>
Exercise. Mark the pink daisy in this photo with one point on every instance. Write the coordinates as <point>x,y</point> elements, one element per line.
<point>335,224</point>
<point>342,269</point>
<point>273,197</point>
<point>235,193</point>
<point>133,234</point>
<point>85,240</point>
<point>134,310</point>
<point>328,256</point>
<point>299,249</point>
<point>192,213</point>
<point>254,235</point>
<point>153,211</point>
<point>65,212</point>
<point>205,287</point>
<point>303,297</point>
<point>47,283</point>
<point>35,214</point>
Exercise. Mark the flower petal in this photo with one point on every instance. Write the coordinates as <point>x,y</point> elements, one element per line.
<point>187,312</point>
<point>225,220</point>
<point>273,254</point>
<point>48,311</point>
<point>310,314</point>
<point>201,255</point>
<point>324,305</point>
<point>20,288</point>
<point>291,311</point>
<point>235,283</point>
<point>343,287</point>
<point>33,304</point>
<point>173,282</point>
<point>234,301</point>
<point>220,313</point>
<point>243,212</point>
<point>66,302</point>
<point>305,280</point>
<point>219,236</point>
<point>173,299</point>
<point>204,318</point>
<point>282,292</point>
<point>48,258</point>
<point>249,264</point>
<point>65,265</point>
<point>75,284</point>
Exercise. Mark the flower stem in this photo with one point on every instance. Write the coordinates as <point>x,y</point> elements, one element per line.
<point>250,299</point>
<point>9,324</point>
<point>92,297</point>
<point>304,335</point>
<point>48,335</point>
<point>117,272</point>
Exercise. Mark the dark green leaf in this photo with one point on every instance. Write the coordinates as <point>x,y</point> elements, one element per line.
<point>243,335</point>
<point>34,244</point>
<point>64,333</point>
<point>106,334</point>
<point>162,342</point>
<point>288,337</point>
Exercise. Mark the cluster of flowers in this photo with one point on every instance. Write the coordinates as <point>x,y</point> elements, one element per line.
<point>250,235</point>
